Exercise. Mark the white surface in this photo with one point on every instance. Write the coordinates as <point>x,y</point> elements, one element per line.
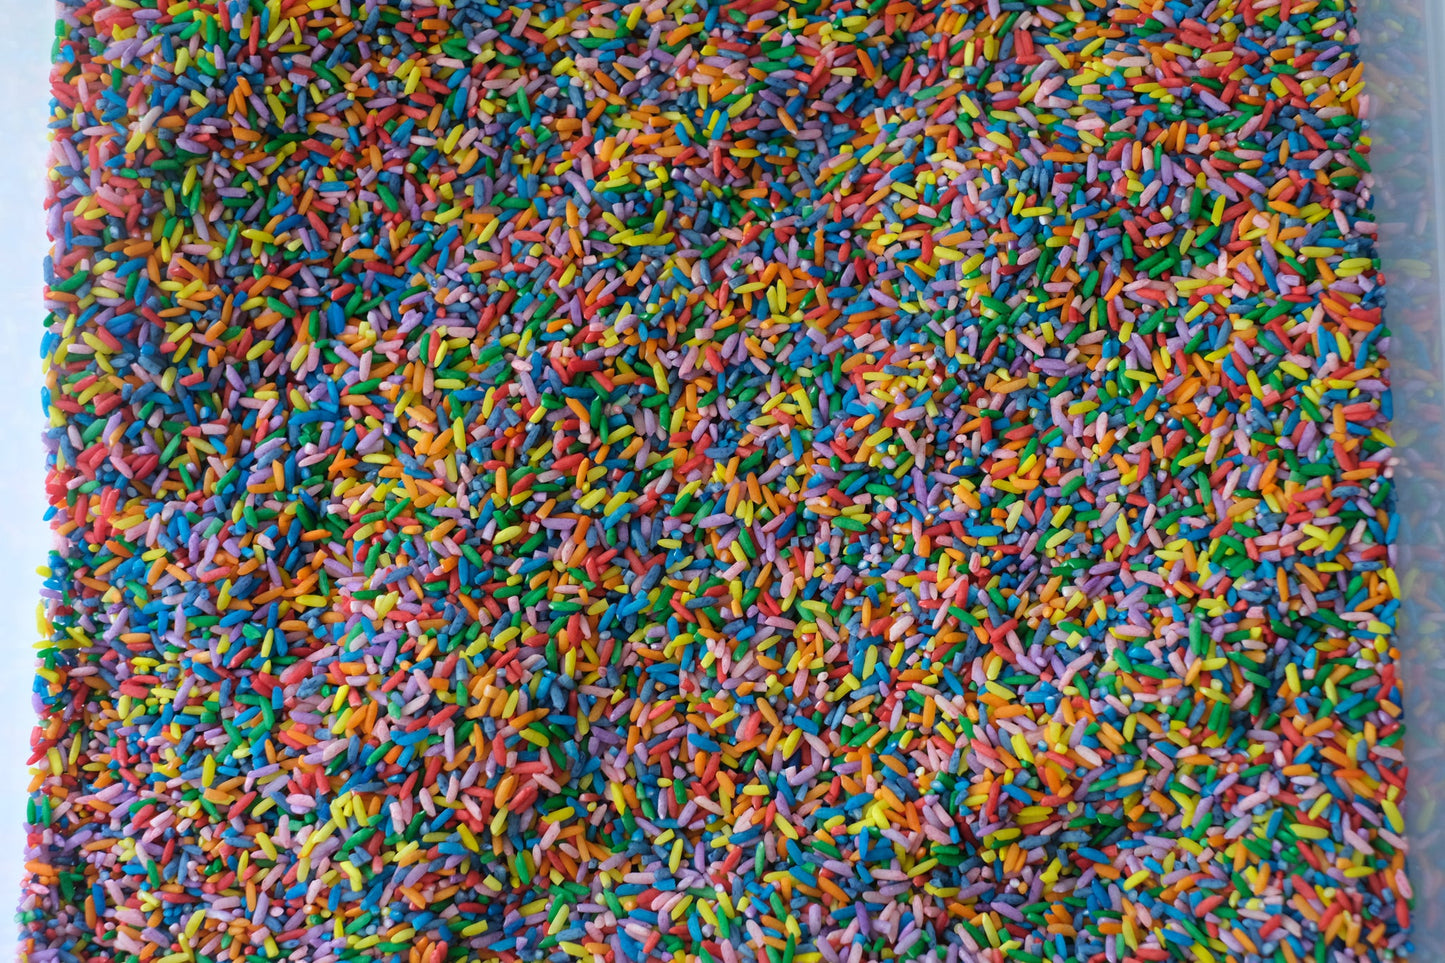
<point>25,31</point>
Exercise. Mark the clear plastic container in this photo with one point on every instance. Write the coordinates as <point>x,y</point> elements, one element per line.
<point>1403,48</point>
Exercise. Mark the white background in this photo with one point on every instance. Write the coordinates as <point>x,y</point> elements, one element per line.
<point>26,30</point>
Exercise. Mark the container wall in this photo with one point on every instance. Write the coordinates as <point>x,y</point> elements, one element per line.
<point>1403,45</point>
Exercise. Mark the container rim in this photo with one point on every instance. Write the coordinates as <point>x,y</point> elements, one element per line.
<point>1402,47</point>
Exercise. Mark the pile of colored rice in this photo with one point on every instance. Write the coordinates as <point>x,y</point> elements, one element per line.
<point>819,481</point>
